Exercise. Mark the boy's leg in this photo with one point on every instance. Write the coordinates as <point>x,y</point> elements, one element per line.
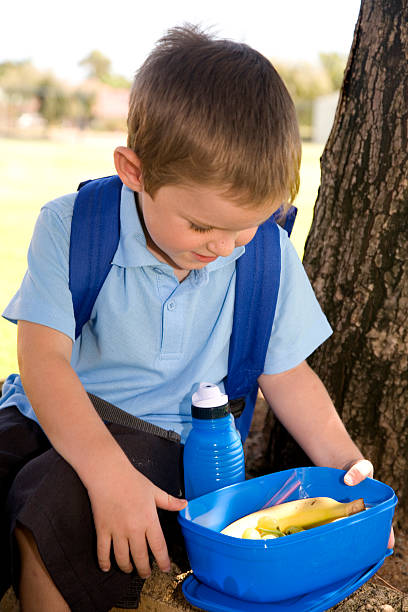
<point>37,591</point>
<point>21,439</point>
<point>50,501</point>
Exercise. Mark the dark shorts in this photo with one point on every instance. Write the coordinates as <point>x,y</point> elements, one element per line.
<point>41,491</point>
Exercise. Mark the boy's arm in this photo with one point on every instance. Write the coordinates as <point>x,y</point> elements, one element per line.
<point>123,500</point>
<point>302,404</point>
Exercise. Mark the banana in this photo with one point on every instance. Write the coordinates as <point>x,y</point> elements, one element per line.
<point>301,513</point>
<point>251,534</point>
<point>293,529</point>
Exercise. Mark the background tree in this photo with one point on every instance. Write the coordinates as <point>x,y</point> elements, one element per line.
<point>99,68</point>
<point>29,89</point>
<point>97,63</point>
<point>53,100</point>
<point>356,254</point>
<point>80,109</point>
<point>19,79</point>
<point>306,81</point>
<point>19,82</point>
<point>334,65</point>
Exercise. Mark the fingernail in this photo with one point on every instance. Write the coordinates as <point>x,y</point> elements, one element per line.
<point>348,480</point>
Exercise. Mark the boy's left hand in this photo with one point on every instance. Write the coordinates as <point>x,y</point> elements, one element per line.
<point>358,471</point>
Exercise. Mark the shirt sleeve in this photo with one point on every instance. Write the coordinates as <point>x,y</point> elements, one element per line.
<point>300,325</point>
<point>44,296</point>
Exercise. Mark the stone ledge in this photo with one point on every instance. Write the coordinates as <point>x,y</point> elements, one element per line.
<point>162,593</point>
<point>9,602</point>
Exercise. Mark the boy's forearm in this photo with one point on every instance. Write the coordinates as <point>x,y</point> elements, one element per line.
<point>65,412</point>
<point>302,404</point>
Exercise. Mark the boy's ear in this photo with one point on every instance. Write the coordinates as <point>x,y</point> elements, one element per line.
<point>129,168</point>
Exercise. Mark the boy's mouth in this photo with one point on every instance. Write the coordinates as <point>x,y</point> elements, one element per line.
<point>203,258</point>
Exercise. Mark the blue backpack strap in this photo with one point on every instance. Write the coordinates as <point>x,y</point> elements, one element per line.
<point>289,219</point>
<point>94,239</point>
<point>256,294</point>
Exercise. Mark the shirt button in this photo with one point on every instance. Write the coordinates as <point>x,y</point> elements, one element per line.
<point>171,305</point>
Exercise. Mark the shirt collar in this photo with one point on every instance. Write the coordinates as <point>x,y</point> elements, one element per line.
<point>132,251</point>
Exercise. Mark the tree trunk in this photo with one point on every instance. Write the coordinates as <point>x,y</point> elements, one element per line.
<point>356,254</point>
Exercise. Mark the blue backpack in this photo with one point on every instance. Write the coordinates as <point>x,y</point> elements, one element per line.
<point>95,234</point>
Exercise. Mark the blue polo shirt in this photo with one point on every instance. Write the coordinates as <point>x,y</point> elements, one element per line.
<point>151,340</point>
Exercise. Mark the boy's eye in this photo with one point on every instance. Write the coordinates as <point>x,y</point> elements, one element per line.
<point>198,228</point>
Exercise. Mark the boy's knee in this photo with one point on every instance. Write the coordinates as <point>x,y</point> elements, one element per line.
<point>23,535</point>
<point>26,543</point>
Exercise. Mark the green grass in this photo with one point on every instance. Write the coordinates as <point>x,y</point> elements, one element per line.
<point>34,172</point>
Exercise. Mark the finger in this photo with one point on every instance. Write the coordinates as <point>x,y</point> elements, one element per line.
<point>158,546</point>
<point>103,547</point>
<point>168,502</point>
<point>359,471</point>
<point>140,556</point>
<point>121,552</point>
<point>391,541</point>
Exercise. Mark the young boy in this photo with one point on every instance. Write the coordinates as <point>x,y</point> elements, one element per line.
<point>213,150</point>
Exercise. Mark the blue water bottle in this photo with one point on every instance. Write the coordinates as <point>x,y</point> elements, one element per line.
<point>213,453</point>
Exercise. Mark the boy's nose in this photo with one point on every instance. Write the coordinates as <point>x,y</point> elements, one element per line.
<point>222,247</point>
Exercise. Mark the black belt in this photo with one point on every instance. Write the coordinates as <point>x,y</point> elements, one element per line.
<point>113,414</point>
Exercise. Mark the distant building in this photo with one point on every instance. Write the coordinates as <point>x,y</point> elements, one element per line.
<point>324,110</point>
<point>110,103</point>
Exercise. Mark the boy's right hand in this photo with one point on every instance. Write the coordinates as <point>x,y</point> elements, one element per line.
<point>124,505</point>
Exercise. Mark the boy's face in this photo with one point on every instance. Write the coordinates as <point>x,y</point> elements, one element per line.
<point>188,227</point>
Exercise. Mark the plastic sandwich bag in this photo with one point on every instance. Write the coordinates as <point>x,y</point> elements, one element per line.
<point>294,484</point>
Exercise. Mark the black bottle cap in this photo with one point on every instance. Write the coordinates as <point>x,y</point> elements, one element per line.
<point>214,412</point>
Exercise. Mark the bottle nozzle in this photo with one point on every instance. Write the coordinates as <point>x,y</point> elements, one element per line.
<point>208,395</point>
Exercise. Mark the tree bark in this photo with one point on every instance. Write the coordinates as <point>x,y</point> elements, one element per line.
<point>356,254</point>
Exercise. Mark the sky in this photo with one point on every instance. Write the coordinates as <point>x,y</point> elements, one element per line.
<point>57,35</point>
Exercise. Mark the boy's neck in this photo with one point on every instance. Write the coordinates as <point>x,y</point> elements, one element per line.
<point>181,274</point>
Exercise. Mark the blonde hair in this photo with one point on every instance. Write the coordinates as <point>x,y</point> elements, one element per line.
<point>214,112</point>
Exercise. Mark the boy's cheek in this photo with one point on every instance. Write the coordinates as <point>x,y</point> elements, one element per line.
<point>245,237</point>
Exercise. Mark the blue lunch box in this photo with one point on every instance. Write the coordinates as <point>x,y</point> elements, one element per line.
<point>282,568</point>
